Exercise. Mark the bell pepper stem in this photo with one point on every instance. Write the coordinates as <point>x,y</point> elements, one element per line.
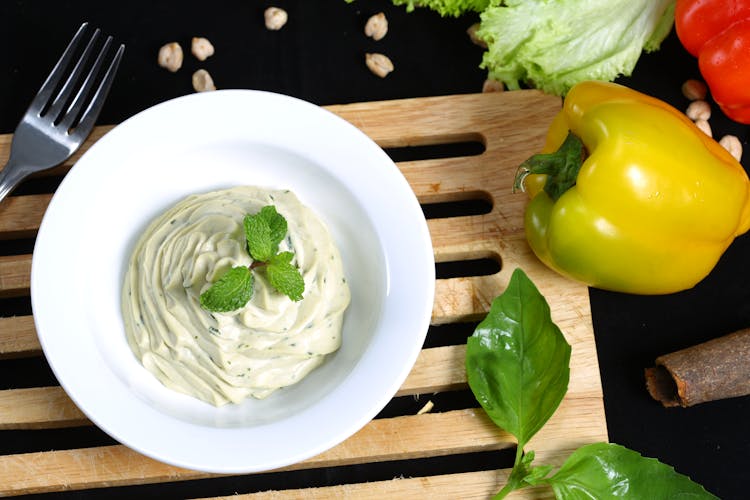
<point>560,167</point>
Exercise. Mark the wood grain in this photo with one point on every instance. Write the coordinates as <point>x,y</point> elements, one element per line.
<point>385,439</point>
<point>18,337</point>
<point>511,126</point>
<point>466,486</point>
<point>407,437</point>
<point>38,408</point>
<point>15,275</point>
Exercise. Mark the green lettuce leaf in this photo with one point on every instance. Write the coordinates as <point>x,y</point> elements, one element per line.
<point>453,8</point>
<point>554,44</point>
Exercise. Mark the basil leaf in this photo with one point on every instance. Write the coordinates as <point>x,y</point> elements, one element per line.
<point>517,360</point>
<point>231,292</point>
<point>284,277</point>
<point>604,470</point>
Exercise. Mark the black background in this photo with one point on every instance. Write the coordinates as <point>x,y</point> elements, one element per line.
<point>319,56</point>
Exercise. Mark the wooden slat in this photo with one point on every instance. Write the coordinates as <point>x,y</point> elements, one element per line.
<point>441,119</point>
<point>18,337</point>
<point>386,439</point>
<point>20,216</point>
<point>437,369</point>
<point>38,408</point>
<point>466,486</point>
<point>15,275</point>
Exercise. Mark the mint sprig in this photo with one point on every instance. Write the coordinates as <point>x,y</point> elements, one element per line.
<point>264,232</point>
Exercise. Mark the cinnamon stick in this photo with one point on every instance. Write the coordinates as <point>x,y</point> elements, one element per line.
<point>717,369</point>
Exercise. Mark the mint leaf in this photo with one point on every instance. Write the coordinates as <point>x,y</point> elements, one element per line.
<point>517,360</point>
<point>604,470</point>
<point>264,231</point>
<point>284,277</point>
<point>231,292</point>
<point>258,234</point>
<point>276,223</point>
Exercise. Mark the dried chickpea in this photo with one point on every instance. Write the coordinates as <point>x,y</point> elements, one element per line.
<point>376,26</point>
<point>201,48</point>
<point>694,90</point>
<point>202,81</point>
<point>170,56</point>
<point>492,86</point>
<point>698,110</point>
<point>379,64</point>
<point>704,126</point>
<point>732,144</point>
<point>275,18</point>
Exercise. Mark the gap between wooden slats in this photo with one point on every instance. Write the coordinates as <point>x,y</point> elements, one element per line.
<point>399,438</point>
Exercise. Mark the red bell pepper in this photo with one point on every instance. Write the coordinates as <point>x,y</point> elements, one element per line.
<point>717,32</point>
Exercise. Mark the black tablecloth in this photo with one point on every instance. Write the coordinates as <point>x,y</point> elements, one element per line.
<point>319,57</point>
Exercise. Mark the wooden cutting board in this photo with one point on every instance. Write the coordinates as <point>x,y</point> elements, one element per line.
<point>510,126</point>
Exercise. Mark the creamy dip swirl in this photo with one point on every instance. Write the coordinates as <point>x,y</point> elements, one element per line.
<point>270,343</point>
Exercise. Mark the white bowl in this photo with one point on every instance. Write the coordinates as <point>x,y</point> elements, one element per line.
<point>200,143</point>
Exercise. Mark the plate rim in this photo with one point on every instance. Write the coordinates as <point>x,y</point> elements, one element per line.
<point>424,313</point>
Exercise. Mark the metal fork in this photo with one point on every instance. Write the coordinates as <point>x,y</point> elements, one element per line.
<point>55,126</point>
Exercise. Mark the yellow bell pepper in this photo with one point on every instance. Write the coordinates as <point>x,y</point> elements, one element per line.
<point>636,198</point>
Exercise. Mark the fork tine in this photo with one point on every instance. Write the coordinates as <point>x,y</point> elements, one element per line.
<point>45,92</point>
<point>89,116</point>
<point>70,83</point>
<point>80,99</point>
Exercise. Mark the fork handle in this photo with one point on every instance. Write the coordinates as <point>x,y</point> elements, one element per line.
<point>10,177</point>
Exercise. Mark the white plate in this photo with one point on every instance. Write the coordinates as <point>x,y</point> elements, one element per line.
<point>211,141</point>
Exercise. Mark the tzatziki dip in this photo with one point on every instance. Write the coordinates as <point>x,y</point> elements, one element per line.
<point>226,357</point>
